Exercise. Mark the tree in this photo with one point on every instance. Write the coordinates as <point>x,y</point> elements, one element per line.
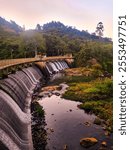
<point>38,27</point>
<point>55,45</point>
<point>32,43</point>
<point>99,29</point>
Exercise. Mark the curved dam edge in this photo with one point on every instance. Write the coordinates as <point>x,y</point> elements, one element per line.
<point>16,94</point>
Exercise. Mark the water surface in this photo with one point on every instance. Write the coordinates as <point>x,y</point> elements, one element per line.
<point>66,125</point>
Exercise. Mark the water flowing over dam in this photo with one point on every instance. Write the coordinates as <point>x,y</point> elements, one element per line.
<point>16,93</point>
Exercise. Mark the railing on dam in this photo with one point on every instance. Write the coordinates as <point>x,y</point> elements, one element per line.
<point>12,62</point>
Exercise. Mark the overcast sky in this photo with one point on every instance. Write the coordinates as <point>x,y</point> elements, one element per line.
<point>83,14</point>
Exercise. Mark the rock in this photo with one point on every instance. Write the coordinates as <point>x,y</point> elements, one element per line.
<point>97,121</point>
<point>104,144</point>
<point>87,123</point>
<point>104,128</point>
<point>70,110</point>
<point>107,133</point>
<point>52,114</point>
<point>49,95</point>
<point>52,130</point>
<point>57,94</point>
<point>88,142</point>
<point>50,88</point>
<point>65,147</point>
<point>40,96</point>
<point>59,87</point>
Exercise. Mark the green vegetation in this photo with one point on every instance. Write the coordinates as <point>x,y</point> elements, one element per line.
<point>96,96</point>
<point>54,39</point>
<point>92,53</point>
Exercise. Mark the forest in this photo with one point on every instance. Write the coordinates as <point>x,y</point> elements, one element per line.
<point>53,39</point>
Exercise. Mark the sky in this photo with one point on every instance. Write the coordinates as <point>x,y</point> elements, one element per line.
<point>82,14</point>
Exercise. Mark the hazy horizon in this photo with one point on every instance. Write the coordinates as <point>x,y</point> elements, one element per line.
<point>82,14</point>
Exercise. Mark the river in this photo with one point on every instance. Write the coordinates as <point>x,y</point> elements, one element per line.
<point>67,124</point>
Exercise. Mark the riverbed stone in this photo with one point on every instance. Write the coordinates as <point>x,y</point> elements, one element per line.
<point>104,144</point>
<point>57,93</point>
<point>51,88</point>
<point>52,130</point>
<point>87,123</point>
<point>65,147</point>
<point>88,142</point>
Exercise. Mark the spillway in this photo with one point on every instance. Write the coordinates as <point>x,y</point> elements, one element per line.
<point>16,94</point>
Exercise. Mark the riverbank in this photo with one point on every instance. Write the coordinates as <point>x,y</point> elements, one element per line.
<point>94,93</point>
<point>67,125</point>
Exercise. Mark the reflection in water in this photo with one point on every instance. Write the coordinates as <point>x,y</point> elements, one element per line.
<point>65,125</point>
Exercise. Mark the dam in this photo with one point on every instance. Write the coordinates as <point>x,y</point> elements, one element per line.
<point>16,93</point>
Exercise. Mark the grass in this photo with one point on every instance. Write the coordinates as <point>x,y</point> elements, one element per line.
<point>101,108</point>
<point>88,91</point>
<point>95,95</point>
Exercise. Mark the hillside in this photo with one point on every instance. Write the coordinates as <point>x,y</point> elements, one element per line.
<point>9,27</point>
<point>59,28</point>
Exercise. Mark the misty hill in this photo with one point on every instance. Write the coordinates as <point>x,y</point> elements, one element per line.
<point>60,29</point>
<point>9,27</point>
<point>51,28</point>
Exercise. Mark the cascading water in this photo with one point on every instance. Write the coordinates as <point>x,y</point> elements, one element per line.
<point>15,98</point>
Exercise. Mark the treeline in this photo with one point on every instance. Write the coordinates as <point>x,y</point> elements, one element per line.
<point>60,29</point>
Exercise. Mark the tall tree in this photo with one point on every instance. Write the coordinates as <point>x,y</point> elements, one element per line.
<point>32,43</point>
<point>99,29</point>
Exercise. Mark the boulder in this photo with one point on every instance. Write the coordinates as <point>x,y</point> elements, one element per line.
<point>88,142</point>
<point>87,123</point>
<point>104,144</point>
<point>65,147</point>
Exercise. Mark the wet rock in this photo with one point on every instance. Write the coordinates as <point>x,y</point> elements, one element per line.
<point>104,128</point>
<point>49,95</point>
<point>97,121</point>
<point>104,144</point>
<point>57,94</point>
<point>59,87</point>
<point>65,147</point>
<point>50,88</point>
<point>88,142</point>
<point>87,123</point>
<point>52,130</point>
<point>40,96</point>
<point>107,133</point>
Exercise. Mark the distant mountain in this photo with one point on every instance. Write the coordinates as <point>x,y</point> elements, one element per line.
<point>51,28</point>
<point>60,29</point>
<point>10,27</point>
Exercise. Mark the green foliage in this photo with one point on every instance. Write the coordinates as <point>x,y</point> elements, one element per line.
<point>32,42</point>
<point>96,96</point>
<point>38,109</point>
<point>94,90</point>
<point>102,52</point>
<point>101,108</point>
<point>55,39</point>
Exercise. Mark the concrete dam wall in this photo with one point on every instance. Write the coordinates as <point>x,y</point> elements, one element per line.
<point>16,93</point>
